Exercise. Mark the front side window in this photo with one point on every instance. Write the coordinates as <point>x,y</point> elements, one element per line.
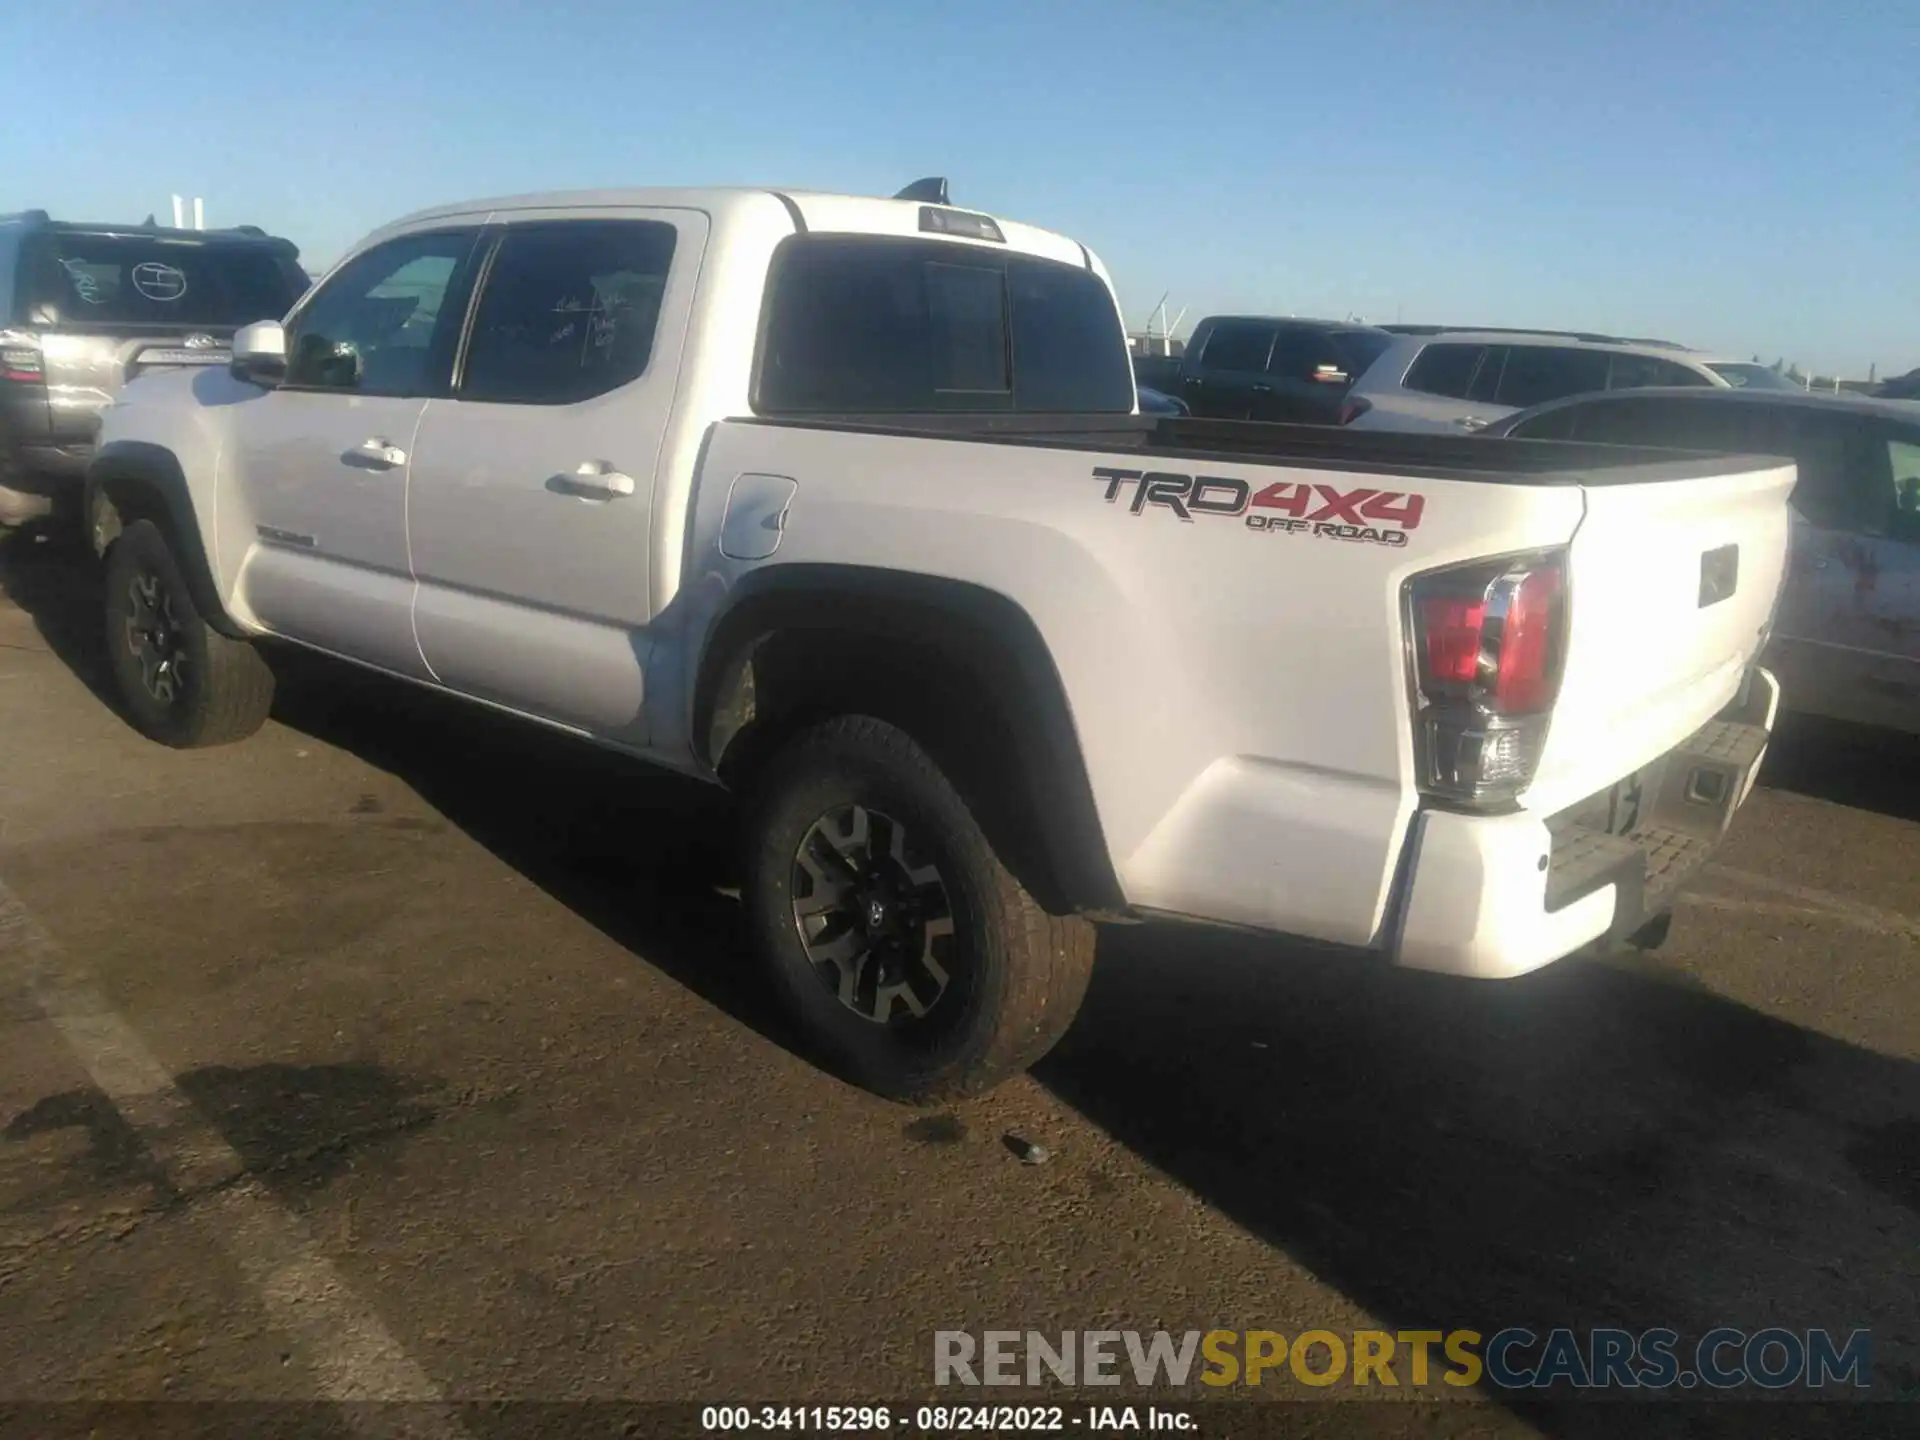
<point>883,325</point>
<point>567,311</point>
<point>1445,370</point>
<point>1535,374</point>
<point>381,326</point>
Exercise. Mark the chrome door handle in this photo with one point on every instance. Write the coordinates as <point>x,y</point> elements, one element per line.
<point>1263,389</point>
<point>1468,422</point>
<point>379,452</point>
<point>595,478</point>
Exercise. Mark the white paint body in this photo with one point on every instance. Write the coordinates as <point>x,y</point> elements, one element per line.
<point>1241,699</point>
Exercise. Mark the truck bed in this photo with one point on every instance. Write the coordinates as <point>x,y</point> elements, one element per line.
<point>1425,456</point>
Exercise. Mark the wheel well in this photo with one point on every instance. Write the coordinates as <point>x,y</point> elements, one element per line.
<point>117,501</point>
<point>132,481</point>
<point>961,669</point>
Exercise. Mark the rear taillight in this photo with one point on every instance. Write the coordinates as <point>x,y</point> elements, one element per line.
<point>1352,408</point>
<point>1487,650</point>
<point>21,364</point>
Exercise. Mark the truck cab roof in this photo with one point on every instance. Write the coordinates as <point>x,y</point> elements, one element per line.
<point>783,211</point>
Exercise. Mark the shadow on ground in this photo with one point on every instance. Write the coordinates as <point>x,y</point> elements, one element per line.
<point>1589,1146</point>
<point>1847,764</point>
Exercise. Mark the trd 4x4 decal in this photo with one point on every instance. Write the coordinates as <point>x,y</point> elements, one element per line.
<point>1288,507</point>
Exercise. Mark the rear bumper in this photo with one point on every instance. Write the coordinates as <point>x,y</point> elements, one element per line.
<point>1497,896</point>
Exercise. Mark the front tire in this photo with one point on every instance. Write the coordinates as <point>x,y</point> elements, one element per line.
<point>912,957</point>
<point>181,682</point>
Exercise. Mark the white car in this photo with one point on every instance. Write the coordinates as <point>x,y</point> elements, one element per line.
<point>844,504</point>
<point>1435,378</point>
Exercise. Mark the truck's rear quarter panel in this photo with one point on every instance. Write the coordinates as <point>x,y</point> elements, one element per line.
<point>1240,694</point>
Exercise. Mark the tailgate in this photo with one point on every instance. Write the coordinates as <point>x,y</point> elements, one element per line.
<point>1673,585</point>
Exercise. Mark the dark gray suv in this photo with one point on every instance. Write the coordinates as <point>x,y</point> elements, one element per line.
<point>84,308</point>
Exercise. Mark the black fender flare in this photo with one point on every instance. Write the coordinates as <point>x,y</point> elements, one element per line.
<point>984,647</point>
<point>137,480</point>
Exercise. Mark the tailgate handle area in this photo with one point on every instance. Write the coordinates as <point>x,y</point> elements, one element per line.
<point>1719,575</point>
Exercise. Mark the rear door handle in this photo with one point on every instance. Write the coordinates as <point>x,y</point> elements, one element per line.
<point>377,453</point>
<point>596,479</point>
<point>1263,389</point>
<point>1469,422</point>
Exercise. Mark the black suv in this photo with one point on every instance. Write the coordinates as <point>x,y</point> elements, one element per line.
<point>1245,367</point>
<point>85,308</point>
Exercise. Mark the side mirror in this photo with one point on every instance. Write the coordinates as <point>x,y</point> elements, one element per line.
<point>260,354</point>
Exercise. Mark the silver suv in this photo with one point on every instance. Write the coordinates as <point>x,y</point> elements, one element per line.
<point>84,308</point>
<point>1435,377</point>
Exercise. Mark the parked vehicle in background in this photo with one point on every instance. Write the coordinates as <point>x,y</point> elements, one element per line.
<point>845,504</point>
<point>1252,367</point>
<point>1435,378</point>
<point>1900,387</point>
<point>1157,372</point>
<point>84,308</point>
<point>1847,639</point>
<point>1156,402</point>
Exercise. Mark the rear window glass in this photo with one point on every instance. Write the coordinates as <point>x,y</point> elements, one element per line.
<point>137,280</point>
<point>1632,372</point>
<point>1445,370</point>
<point>879,324</point>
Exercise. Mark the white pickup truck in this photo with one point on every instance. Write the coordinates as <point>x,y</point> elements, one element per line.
<point>845,504</point>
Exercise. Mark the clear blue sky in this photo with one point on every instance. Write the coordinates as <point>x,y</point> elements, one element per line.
<point>1743,176</point>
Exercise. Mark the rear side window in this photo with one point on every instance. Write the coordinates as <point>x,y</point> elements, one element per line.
<point>1238,345</point>
<point>1669,424</point>
<point>1361,348</point>
<point>1634,372</point>
<point>1535,374</point>
<point>878,324</point>
<point>1616,422</point>
<point>1554,425</point>
<point>568,311</point>
<point>140,281</point>
<point>1445,370</point>
<point>1307,355</point>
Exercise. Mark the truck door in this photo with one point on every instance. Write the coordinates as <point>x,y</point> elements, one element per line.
<point>319,465</point>
<point>1228,379</point>
<point>531,507</point>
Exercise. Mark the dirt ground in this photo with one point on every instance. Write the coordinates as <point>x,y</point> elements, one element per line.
<point>403,1052</point>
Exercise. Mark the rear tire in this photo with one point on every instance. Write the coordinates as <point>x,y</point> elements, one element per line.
<point>919,965</point>
<point>181,682</point>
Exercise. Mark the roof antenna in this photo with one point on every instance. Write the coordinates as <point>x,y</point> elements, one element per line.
<point>930,191</point>
<point>148,222</point>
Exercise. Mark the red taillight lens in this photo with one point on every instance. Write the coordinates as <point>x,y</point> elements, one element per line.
<point>22,366</point>
<point>1352,409</point>
<point>1450,636</point>
<point>1486,644</point>
<point>1525,680</point>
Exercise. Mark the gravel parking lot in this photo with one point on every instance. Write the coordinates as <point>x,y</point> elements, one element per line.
<point>455,1045</point>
